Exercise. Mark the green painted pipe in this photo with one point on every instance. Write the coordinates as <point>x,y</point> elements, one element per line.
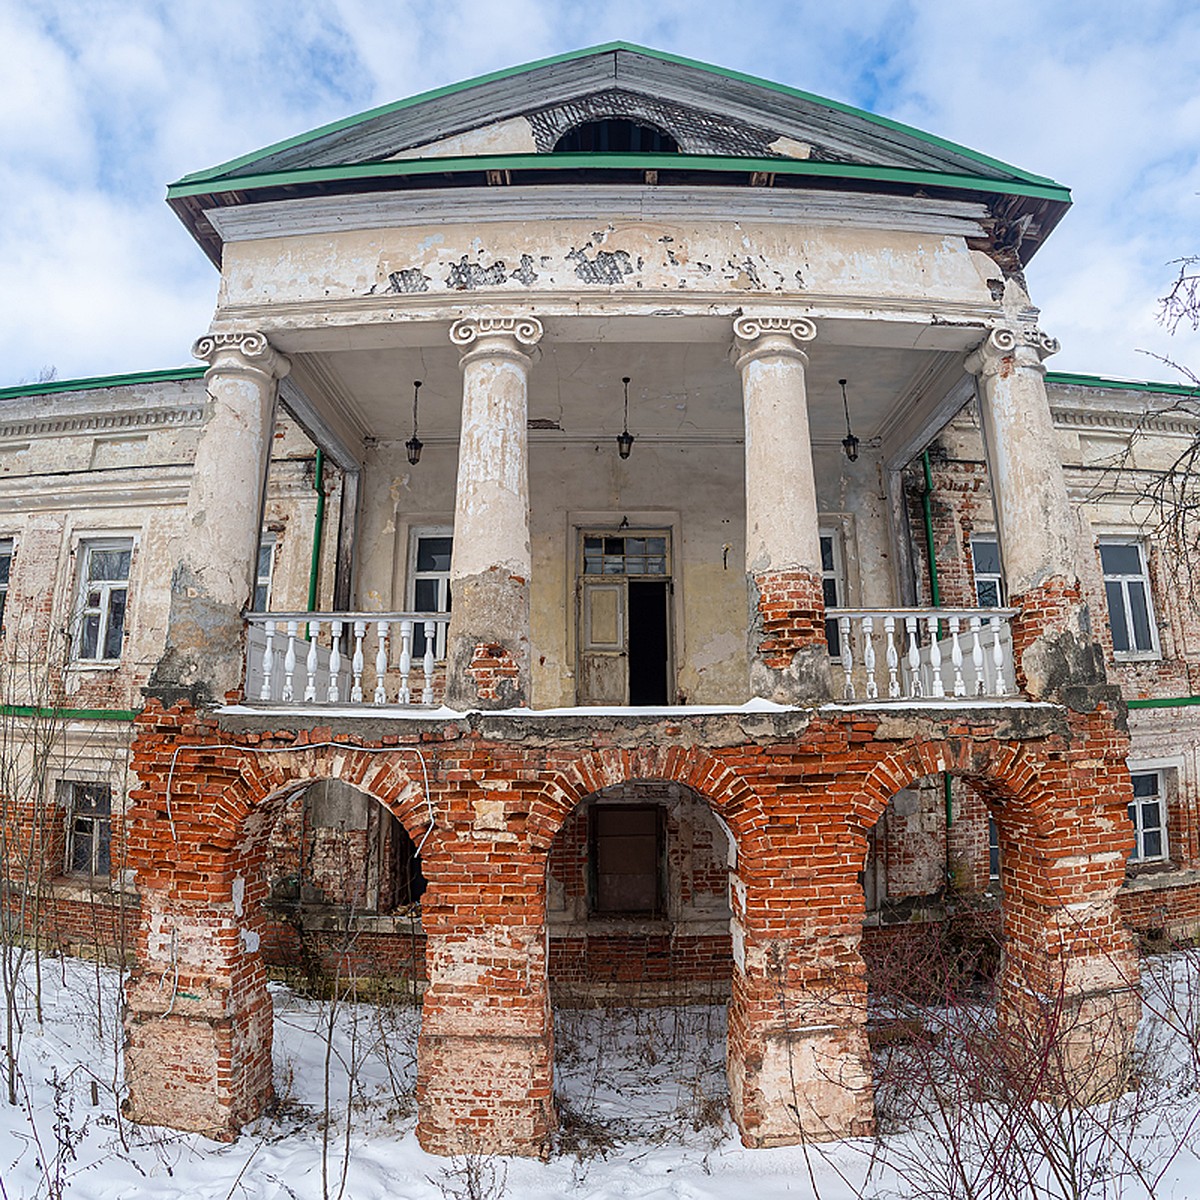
<point>314,571</point>
<point>935,596</point>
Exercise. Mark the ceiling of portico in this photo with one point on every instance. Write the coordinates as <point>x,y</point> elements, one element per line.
<point>678,391</point>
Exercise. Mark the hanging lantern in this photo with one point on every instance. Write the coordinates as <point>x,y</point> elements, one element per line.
<point>849,442</point>
<point>414,445</point>
<point>625,438</point>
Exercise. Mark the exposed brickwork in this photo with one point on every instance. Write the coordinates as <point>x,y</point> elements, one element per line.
<point>492,666</point>
<point>791,614</point>
<point>797,793</point>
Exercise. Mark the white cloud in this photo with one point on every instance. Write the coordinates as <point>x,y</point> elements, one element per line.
<point>102,105</point>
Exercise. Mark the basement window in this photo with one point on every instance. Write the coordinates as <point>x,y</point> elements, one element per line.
<point>627,856</point>
<point>615,135</point>
<point>89,829</point>
<point>1148,814</point>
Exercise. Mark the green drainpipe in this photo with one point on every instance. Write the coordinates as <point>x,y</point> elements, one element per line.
<point>314,571</point>
<point>935,596</point>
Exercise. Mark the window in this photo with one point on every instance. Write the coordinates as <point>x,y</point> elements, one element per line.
<point>616,135</point>
<point>263,570</point>
<point>104,591</point>
<point>993,848</point>
<point>1148,813</point>
<point>89,829</point>
<point>1127,590</point>
<point>833,588</point>
<point>989,577</point>
<point>429,582</point>
<point>6,557</point>
<point>627,856</point>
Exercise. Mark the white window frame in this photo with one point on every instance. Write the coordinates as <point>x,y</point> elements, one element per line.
<point>86,547</point>
<point>415,534</point>
<point>70,791</point>
<point>8,549</point>
<point>264,581</point>
<point>996,577</point>
<point>1161,773</point>
<point>837,576</point>
<point>1123,581</point>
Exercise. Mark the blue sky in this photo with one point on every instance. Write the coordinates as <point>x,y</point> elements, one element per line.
<point>104,102</point>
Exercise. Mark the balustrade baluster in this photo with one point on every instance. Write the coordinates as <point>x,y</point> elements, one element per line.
<point>289,663</point>
<point>977,657</point>
<point>893,658</point>
<point>268,661</point>
<point>356,663</point>
<point>868,632</point>
<point>310,664</point>
<point>427,664</point>
<point>1002,688</point>
<point>936,686</point>
<point>847,650</point>
<point>406,632</point>
<point>912,629</point>
<point>381,661</point>
<point>335,661</point>
<point>956,656</point>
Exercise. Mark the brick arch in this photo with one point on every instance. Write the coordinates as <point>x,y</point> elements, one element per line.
<point>249,799</point>
<point>729,796</point>
<point>1006,773</point>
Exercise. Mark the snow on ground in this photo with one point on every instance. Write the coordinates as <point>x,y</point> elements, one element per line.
<point>642,1094</point>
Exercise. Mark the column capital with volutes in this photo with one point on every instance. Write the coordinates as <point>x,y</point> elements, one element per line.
<point>497,337</point>
<point>241,352</point>
<point>1017,345</point>
<point>759,336</point>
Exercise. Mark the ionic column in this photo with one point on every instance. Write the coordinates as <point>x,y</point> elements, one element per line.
<point>488,653</point>
<point>1056,652</point>
<point>789,661</point>
<point>214,575</point>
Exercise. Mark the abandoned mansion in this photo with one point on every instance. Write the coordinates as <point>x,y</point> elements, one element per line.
<point>623,544</point>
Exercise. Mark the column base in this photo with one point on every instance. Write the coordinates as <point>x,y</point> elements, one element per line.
<point>194,1060</point>
<point>485,1095</point>
<point>803,1085</point>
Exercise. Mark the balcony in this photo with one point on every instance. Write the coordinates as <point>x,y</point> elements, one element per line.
<point>880,656</point>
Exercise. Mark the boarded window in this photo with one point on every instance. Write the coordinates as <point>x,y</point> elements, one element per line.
<point>627,855</point>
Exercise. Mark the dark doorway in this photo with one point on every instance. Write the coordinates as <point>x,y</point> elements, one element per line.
<point>648,642</point>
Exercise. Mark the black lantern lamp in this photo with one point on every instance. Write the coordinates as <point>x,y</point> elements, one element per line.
<point>849,442</point>
<point>413,445</point>
<point>625,438</point>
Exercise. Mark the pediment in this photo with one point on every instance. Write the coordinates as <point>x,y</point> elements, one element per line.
<point>707,110</point>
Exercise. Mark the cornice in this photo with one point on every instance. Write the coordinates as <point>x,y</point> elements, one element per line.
<point>108,421</point>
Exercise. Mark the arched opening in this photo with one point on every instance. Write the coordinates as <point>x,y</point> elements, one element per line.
<point>640,959</point>
<point>932,897</point>
<point>344,884</point>
<point>616,135</point>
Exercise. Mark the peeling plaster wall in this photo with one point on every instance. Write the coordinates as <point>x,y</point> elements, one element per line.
<point>550,255</point>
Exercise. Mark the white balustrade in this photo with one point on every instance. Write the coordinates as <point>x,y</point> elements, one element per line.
<point>332,651</point>
<point>925,653</point>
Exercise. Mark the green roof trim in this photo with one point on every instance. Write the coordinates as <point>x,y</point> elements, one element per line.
<point>641,162</point>
<point>1069,378</point>
<point>1165,702</point>
<point>984,160</point>
<point>69,714</point>
<point>169,375</point>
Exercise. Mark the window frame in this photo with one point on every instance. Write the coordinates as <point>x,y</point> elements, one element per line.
<point>1161,796</point>
<point>837,576</point>
<point>978,576</point>
<point>659,910</point>
<point>266,582</point>
<point>1134,654</point>
<point>8,549</point>
<point>71,791</point>
<point>85,547</point>
<point>415,534</point>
